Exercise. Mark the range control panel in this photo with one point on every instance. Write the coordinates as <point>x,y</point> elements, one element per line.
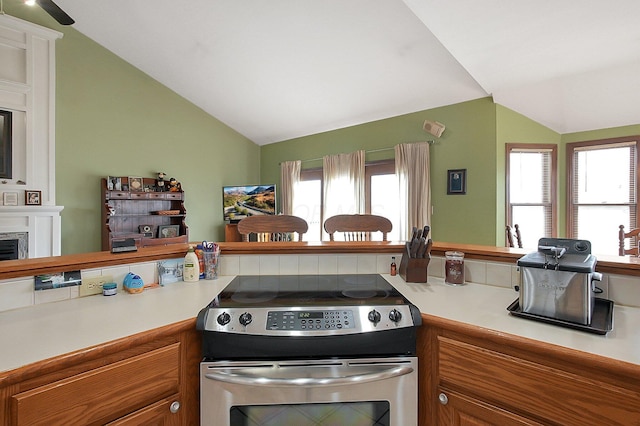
<point>310,320</point>
<point>300,321</point>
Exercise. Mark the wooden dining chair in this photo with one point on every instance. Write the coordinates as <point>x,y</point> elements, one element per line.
<point>511,233</point>
<point>357,227</point>
<point>633,235</point>
<point>272,227</point>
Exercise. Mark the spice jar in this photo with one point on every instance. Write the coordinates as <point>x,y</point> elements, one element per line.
<point>109,289</point>
<point>454,268</point>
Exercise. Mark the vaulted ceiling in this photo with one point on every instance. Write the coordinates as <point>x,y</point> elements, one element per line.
<point>279,69</point>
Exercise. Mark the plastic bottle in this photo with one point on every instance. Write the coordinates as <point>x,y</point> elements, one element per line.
<point>191,269</point>
<point>393,266</point>
<point>200,254</point>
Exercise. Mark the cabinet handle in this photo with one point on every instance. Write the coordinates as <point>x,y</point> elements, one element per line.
<point>175,406</point>
<point>443,399</point>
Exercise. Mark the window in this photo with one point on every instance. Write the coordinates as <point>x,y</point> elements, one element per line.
<point>381,191</point>
<point>601,191</point>
<point>531,190</point>
<point>381,188</point>
<point>307,202</point>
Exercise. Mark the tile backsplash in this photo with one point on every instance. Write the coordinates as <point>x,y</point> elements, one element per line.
<point>19,292</point>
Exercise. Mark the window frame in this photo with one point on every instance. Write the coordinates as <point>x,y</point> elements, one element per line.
<point>570,151</point>
<point>553,181</point>
<point>375,168</point>
<point>371,168</point>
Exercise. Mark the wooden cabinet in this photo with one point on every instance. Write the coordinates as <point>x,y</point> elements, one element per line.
<point>162,413</point>
<point>149,218</point>
<point>460,410</point>
<point>471,376</point>
<point>150,378</point>
<point>231,233</point>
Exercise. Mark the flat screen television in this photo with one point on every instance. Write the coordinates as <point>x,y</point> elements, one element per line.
<point>248,200</point>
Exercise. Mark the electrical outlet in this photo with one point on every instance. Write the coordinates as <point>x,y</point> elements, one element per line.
<point>93,285</point>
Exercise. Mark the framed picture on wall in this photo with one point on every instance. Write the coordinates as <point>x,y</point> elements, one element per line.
<point>457,181</point>
<point>33,198</point>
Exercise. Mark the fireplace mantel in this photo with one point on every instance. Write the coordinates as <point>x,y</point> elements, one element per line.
<point>41,223</point>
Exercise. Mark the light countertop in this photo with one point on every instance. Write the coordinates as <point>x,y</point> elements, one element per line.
<point>44,331</point>
<point>486,306</point>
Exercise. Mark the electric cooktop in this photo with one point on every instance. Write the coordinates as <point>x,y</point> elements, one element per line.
<point>308,290</point>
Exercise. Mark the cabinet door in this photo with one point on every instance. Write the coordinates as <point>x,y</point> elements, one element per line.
<point>103,394</point>
<point>163,413</point>
<point>455,409</point>
<point>534,389</point>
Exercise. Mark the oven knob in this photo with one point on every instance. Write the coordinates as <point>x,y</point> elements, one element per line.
<point>224,318</point>
<point>374,316</point>
<point>246,318</point>
<point>395,315</point>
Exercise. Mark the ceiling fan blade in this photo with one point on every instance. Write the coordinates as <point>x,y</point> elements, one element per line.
<point>54,10</point>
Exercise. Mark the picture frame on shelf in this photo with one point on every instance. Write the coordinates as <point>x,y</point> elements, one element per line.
<point>146,230</point>
<point>114,183</point>
<point>168,231</point>
<point>456,181</point>
<point>10,198</point>
<point>33,198</point>
<point>136,184</point>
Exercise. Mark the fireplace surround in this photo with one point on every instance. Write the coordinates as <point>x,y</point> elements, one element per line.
<point>37,229</point>
<point>14,245</point>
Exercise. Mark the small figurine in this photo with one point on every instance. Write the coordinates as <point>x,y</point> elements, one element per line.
<point>173,185</point>
<point>160,181</point>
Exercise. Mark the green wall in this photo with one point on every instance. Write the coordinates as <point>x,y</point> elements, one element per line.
<point>592,135</point>
<point>475,138</point>
<point>467,143</point>
<point>112,119</point>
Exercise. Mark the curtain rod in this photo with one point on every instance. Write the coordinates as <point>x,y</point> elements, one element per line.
<point>366,152</point>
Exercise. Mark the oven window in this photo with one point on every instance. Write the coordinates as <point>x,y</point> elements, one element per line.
<point>371,413</point>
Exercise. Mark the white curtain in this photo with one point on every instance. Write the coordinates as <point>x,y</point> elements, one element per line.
<point>343,177</point>
<point>289,178</point>
<point>412,168</point>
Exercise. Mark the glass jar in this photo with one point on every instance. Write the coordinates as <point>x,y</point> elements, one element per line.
<point>454,268</point>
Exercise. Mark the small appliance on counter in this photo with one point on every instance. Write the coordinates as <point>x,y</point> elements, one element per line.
<point>558,286</point>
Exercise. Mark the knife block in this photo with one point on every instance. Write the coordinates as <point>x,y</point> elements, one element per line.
<point>413,270</point>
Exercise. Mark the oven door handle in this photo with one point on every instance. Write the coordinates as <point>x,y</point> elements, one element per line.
<point>260,377</point>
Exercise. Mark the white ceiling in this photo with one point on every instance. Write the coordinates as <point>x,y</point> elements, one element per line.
<point>279,69</point>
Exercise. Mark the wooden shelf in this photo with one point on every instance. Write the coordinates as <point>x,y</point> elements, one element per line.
<point>124,212</point>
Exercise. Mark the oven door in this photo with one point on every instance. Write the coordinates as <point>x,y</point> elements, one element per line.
<point>371,391</point>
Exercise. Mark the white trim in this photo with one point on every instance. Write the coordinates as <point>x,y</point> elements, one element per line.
<point>21,25</point>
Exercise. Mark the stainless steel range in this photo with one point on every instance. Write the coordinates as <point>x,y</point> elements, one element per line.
<point>309,350</point>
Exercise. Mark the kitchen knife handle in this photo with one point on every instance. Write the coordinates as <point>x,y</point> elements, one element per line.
<point>428,248</point>
<point>413,249</point>
<point>422,248</point>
